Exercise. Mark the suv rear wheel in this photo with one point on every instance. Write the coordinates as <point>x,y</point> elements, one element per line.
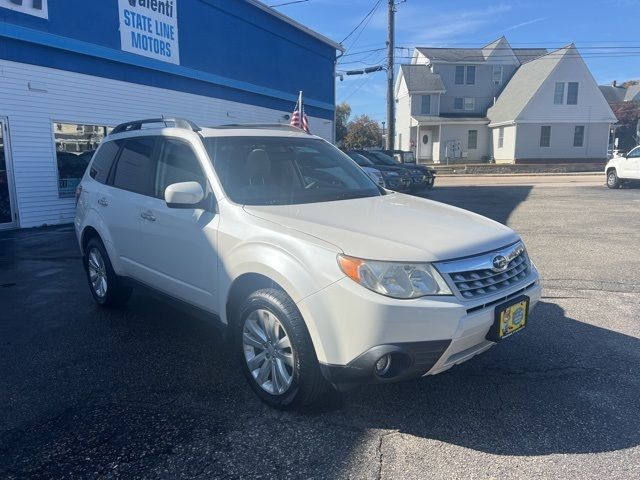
<point>612,179</point>
<point>107,289</point>
<point>276,352</point>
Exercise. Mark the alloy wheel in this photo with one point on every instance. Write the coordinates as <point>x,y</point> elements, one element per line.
<point>97,273</point>
<point>268,352</point>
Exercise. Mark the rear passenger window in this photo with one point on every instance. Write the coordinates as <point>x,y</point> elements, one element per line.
<point>102,161</point>
<point>135,169</point>
<point>177,162</point>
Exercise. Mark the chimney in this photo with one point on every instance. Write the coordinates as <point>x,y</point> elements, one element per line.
<point>614,83</point>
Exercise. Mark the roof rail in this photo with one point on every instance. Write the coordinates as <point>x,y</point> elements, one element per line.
<point>137,124</point>
<point>275,126</point>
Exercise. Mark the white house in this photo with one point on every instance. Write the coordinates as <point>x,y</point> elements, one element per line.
<point>497,102</point>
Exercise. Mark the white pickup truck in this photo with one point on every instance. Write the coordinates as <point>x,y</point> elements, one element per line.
<point>622,168</point>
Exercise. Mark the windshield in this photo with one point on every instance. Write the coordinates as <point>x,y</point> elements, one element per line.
<point>361,159</point>
<point>384,159</point>
<point>285,171</point>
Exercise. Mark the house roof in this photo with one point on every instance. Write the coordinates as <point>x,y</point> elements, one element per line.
<point>523,86</point>
<point>498,50</point>
<point>527,54</point>
<point>420,79</point>
<point>613,94</point>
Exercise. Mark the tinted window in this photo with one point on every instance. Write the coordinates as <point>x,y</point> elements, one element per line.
<point>284,171</point>
<point>177,162</point>
<point>360,160</point>
<point>135,169</point>
<point>102,162</point>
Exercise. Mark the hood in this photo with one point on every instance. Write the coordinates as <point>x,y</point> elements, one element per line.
<point>392,227</point>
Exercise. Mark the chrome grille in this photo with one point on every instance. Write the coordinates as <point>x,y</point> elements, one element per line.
<point>478,277</point>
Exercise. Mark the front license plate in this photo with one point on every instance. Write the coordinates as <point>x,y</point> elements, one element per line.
<point>510,318</point>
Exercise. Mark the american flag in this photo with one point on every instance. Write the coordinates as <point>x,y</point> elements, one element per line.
<point>298,117</point>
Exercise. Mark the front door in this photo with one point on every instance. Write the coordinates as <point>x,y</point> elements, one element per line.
<point>425,144</point>
<point>7,215</point>
<point>180,257</point>
<point>632,164</point>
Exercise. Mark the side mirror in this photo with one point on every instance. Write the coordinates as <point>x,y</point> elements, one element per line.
<point>184,195</point>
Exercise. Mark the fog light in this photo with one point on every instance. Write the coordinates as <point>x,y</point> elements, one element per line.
<point>383,365</point>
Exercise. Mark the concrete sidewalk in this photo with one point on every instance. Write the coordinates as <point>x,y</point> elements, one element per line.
<point>551,180</point>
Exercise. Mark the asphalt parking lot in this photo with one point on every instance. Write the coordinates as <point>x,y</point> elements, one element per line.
<point>150,392</point>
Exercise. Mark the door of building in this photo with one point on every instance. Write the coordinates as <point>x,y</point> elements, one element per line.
<point>425,144</point>
<point>7,212</point>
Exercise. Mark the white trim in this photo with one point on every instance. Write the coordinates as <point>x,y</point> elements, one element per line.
<point>11,186</point>
<point>297,25</point>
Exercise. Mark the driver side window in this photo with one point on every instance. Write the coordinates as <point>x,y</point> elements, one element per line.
<point>635,153</point>
<point>177,162</point>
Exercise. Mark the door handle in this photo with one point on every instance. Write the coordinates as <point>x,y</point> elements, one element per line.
<point>148,215</point>
<point>103,202</point>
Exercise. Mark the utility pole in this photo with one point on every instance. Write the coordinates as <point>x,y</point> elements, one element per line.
<point>391,121</point>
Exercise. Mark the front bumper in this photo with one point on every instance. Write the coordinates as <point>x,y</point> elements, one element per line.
<point>352,328</point>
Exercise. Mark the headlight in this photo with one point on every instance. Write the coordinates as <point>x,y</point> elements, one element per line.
<point>394,279</point>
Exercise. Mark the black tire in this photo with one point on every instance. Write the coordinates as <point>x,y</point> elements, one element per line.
<point>115,294</point>
<point>612,179</point>
<point>307,383</point>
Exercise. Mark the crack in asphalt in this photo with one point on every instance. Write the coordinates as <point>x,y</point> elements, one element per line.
<point>381,453</point>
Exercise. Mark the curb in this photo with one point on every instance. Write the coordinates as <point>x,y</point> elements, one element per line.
<point>571,174</point>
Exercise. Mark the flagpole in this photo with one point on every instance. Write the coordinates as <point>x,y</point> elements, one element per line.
<point>300,109</point>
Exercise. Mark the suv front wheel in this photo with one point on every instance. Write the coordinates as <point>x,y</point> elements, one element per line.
<point>276,352</point>
<point>612,179</point>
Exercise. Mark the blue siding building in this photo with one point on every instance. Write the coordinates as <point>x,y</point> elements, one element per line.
<point>73,69</point>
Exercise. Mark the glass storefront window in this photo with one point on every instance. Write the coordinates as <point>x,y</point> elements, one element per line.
<point>75,145</point>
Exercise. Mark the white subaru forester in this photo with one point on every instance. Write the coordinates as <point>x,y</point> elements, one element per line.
<point>321,276</point>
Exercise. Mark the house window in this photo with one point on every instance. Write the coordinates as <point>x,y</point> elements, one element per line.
<point>572,93</point>
<point>497,75</point>
<point>425,106</point>
<point>471,75</point>
<point>459,75</point>
<point>75,144</point>
<point>472,140</point>
<point>545,136</point>
<point>469,103</point>
<point>457,103</point>
<point>578,136</point>
<point>558,95</point>
<point>501,137</point>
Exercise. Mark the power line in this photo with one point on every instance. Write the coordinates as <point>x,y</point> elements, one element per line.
<point>287,3</point>
<point>377,4</point>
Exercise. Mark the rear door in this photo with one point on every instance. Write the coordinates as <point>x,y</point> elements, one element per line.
<point>120,201</point>
<point>180,253</point>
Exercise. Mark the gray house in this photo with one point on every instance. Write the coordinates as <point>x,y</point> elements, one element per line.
<point>497,102</point>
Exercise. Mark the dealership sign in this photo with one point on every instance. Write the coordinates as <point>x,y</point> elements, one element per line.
<point>150,28</point>
<point>30,7</point>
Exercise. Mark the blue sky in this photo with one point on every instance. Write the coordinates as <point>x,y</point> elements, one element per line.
<point>605,32</point>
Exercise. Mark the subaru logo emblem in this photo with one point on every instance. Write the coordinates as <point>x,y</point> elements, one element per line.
<point>500,263</point>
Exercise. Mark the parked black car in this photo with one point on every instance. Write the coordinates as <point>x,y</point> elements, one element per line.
<point>422,177</point>
<point>394,176</point>
<point>402,156</point>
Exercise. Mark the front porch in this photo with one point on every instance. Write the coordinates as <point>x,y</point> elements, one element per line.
<point>448,141</point>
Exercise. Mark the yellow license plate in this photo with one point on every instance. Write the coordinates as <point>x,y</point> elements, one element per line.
<point>512,318</point>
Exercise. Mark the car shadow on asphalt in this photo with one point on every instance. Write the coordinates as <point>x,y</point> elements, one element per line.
<point>149,389</point>
<point>561,386</point>
<point>482,199</point>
